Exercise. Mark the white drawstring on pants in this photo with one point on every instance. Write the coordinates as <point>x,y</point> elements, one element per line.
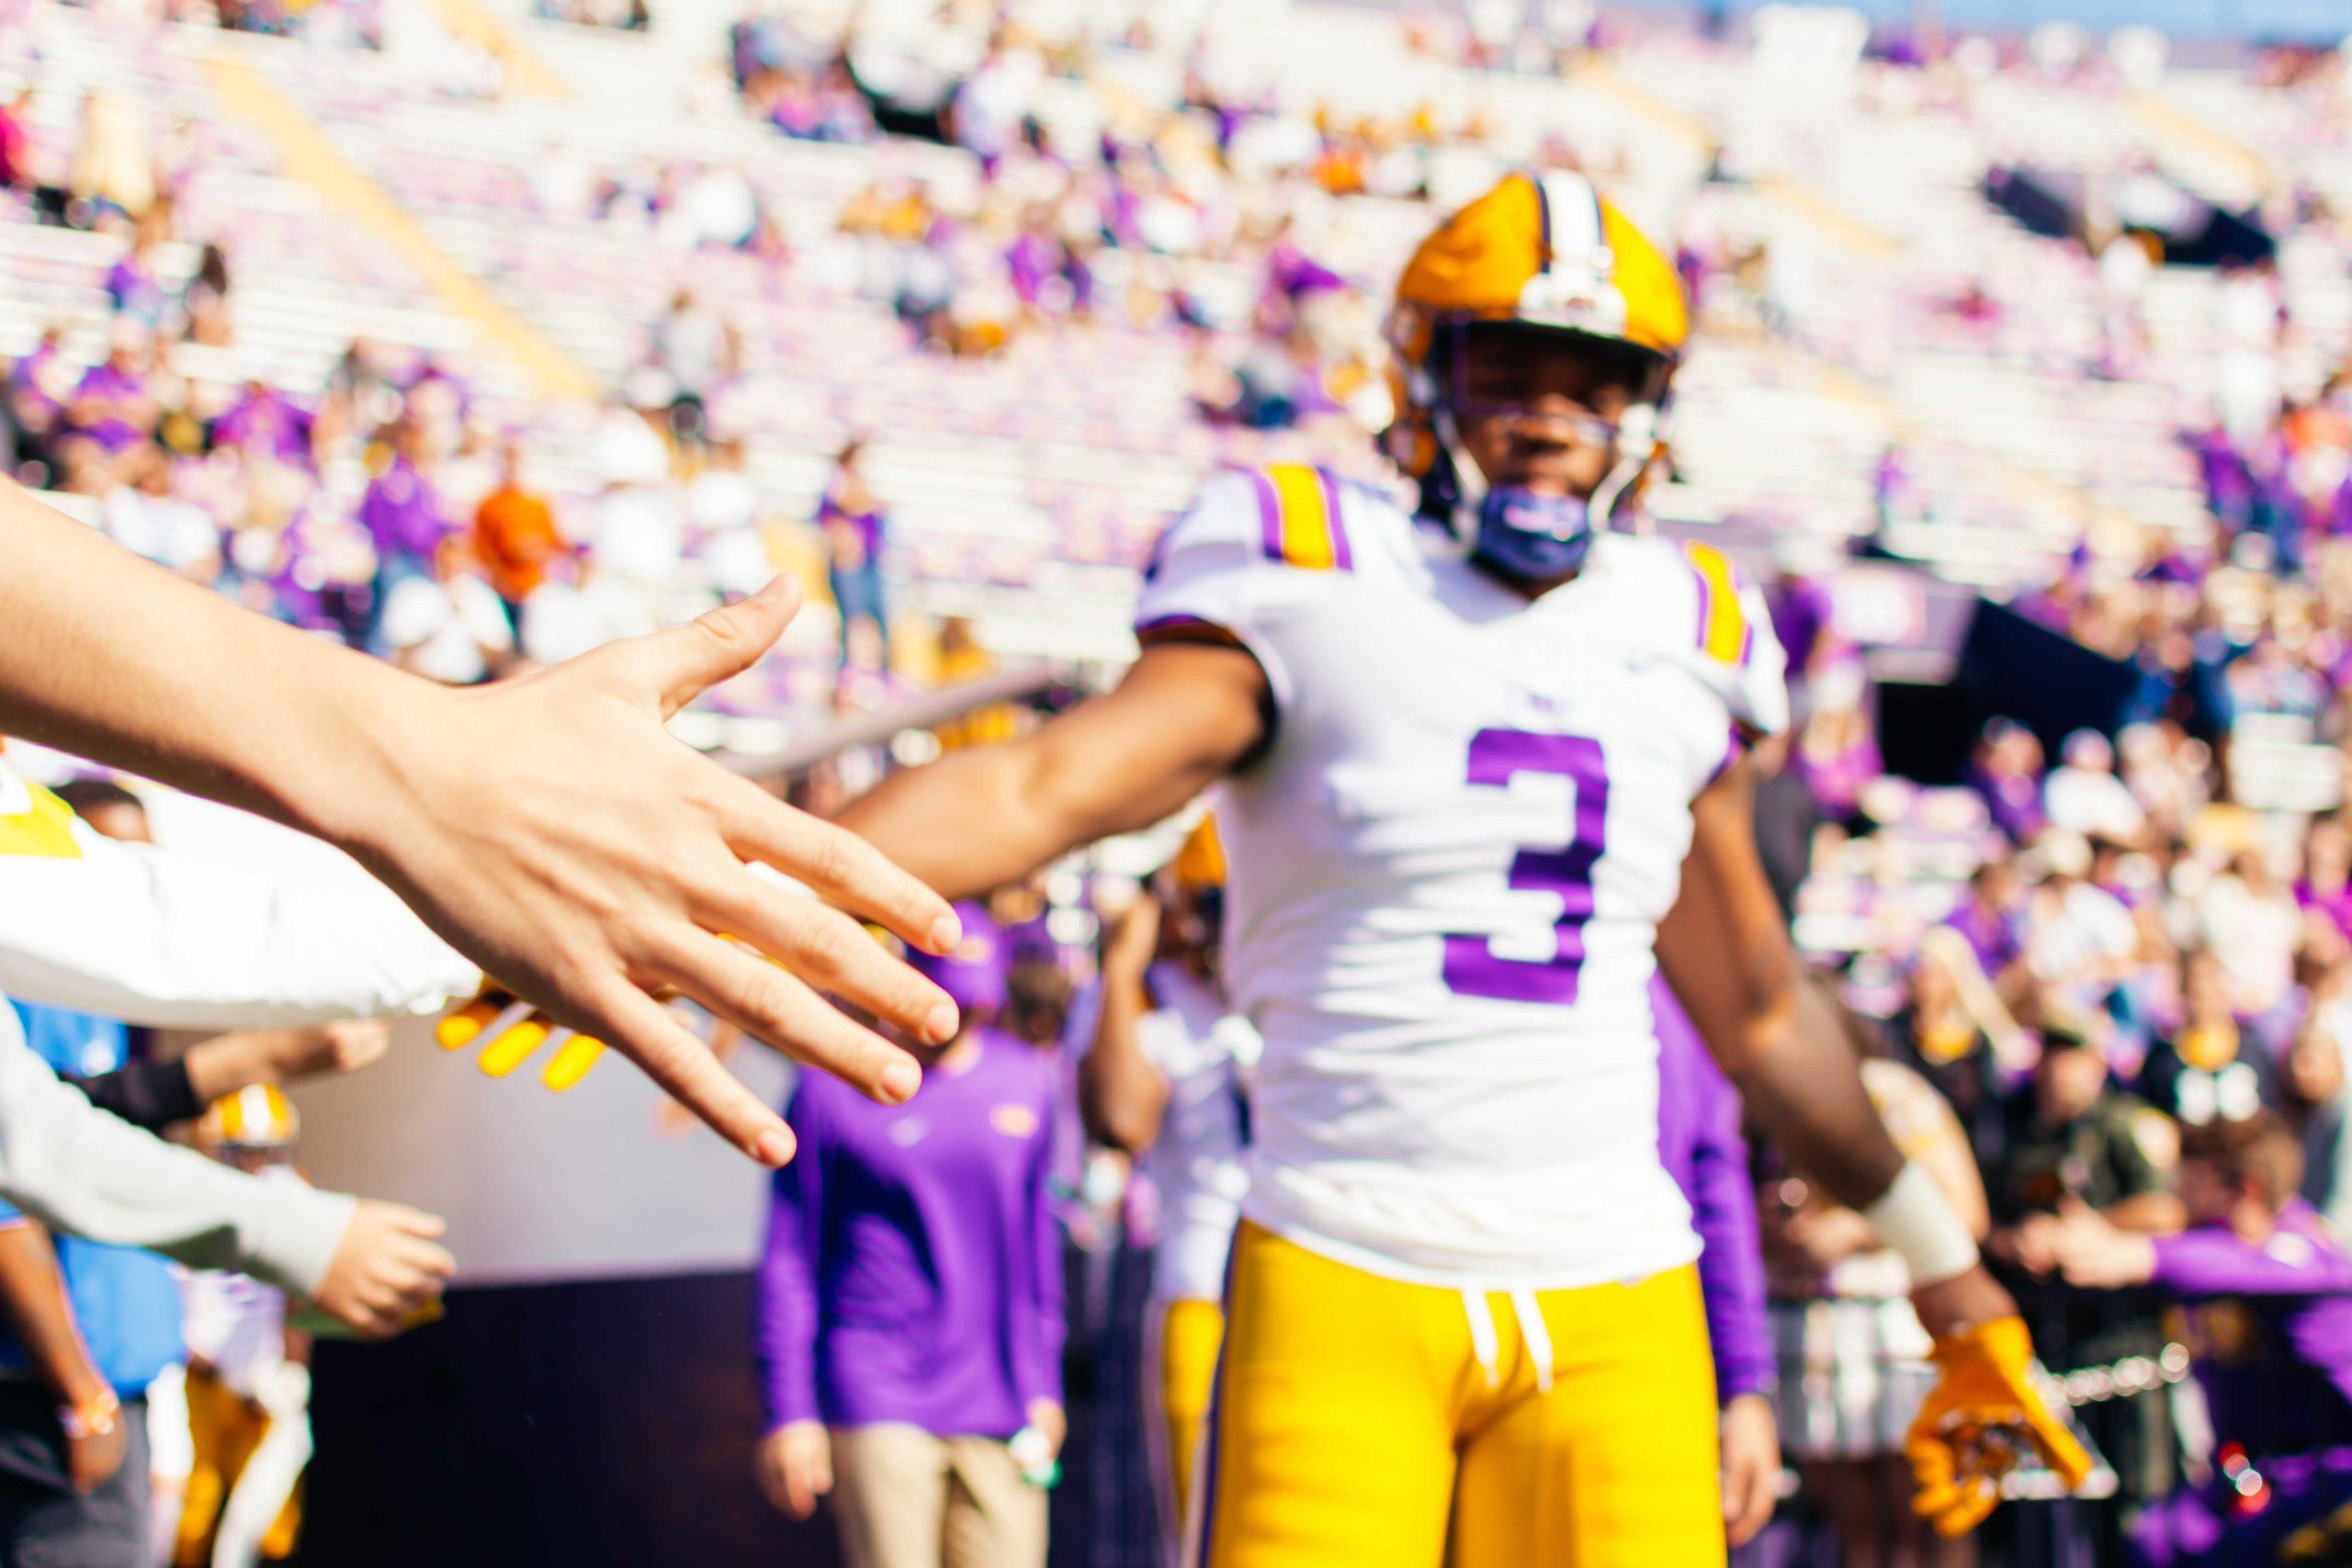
<point>1487,1345</point>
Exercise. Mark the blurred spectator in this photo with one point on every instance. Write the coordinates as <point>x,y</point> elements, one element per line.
<point>2318,1093</point>
<point>2083,794</point>
<point>855,528</point>
<point>2270,1294</point>
<point>909,1320</point>
<point>114,405</point>
<point>696,348</point>
<point>1991,916</point>
<point>516,537</point>
<point>91,1326</point>
<point>403,516</point>
<point>266,422</point>
<point>2080,1144</point>
<point>2213,1063</point>
<point>114,172</point>
<point>2007,770</point>
<point>205,303</point>
<point>16,143</point>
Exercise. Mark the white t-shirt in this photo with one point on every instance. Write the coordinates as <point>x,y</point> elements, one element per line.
<point>1447,872</point>
<point>1195,1038</point>
<point>2094,804</point>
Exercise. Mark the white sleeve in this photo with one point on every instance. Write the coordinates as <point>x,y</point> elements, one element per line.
<point>1758,690</point>
<point>78,1169</point>
<point>1220,566</point>
<point>1730,643</point>
<point>174,940</point>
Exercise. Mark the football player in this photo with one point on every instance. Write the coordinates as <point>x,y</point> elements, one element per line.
<point>1482,777</point>
<point>1164,1081</point>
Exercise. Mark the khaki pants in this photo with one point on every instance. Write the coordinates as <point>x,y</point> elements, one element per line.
<point>907,1499</point>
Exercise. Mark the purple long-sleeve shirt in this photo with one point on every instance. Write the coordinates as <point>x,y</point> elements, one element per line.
<point>1699,1143</point>
<point>402,515</point>
<point>913,1267</point>
<point>2271,1327</point>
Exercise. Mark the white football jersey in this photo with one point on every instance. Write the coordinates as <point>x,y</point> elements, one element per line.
<point>1446,871</point>
<point>1195,1041</point>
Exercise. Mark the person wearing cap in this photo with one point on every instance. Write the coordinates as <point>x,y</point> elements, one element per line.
<point>908,1317</point>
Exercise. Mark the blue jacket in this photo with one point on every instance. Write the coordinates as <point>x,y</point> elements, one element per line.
<point>125,1301</point>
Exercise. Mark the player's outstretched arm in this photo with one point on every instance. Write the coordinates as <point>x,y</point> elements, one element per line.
<point>1186,715</point>
<point>549,828</point>
<point>1780,1039</point>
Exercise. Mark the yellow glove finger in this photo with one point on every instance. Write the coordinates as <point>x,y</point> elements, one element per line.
<point>1930,1454</point>
<point>2061,1449</point>
<point>575,1054</point>
<point>460,1029</point>
<point>511,1046</point>
<point>1974,1503</point>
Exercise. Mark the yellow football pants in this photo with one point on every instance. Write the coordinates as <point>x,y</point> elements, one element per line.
<point>1187,1333</point>
<point>1362,1422</point>
<point>224,1428</point>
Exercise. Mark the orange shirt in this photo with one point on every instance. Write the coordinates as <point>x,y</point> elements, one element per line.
<point>515,537</point>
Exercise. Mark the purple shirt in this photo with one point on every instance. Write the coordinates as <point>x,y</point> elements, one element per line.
<point>113,391</point>
<point>913,1264</point>
<point>2335,906</point>
<point>1698,1143</point>
<point>2271,1327</point>
<point>135,291</point>
<point>1802,611</point>
<point>266,421</point>
<point>866,526</point>
<point>1991,935</point>
<point>402,515</point>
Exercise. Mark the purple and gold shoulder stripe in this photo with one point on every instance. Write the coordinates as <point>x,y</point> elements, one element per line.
<point>1725,633</point>
<point>1298,513</point>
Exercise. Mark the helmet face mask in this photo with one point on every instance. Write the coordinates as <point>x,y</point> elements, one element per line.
<point>1535,335</point>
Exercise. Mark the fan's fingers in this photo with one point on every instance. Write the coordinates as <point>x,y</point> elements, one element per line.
<point>833,953</point>
<point>843,868</point>
<point>778,1008</point>
<point>650,1035</point>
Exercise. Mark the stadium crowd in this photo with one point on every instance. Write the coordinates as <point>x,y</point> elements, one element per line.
<point>2119,955</point>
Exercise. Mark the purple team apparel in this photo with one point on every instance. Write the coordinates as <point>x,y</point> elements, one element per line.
<point>402,515</point>
<point>1698,1143</point>
<point>2270,1324</point>
<point>913,1266</point>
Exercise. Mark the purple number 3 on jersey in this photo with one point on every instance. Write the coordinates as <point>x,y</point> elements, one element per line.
<point>1471,966</point>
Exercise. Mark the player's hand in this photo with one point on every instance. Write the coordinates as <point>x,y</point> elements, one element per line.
<point>511,1032</point>
<point>553,830</point>
<point>1751,1462</point>
<point>1981,1417</point>
<point>1048,1418</point>
<point>1134,939</point>
<point>796,1465</point>
<point>92,1459</point>
<point>343,1047</point>
<point>387,1272</point>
